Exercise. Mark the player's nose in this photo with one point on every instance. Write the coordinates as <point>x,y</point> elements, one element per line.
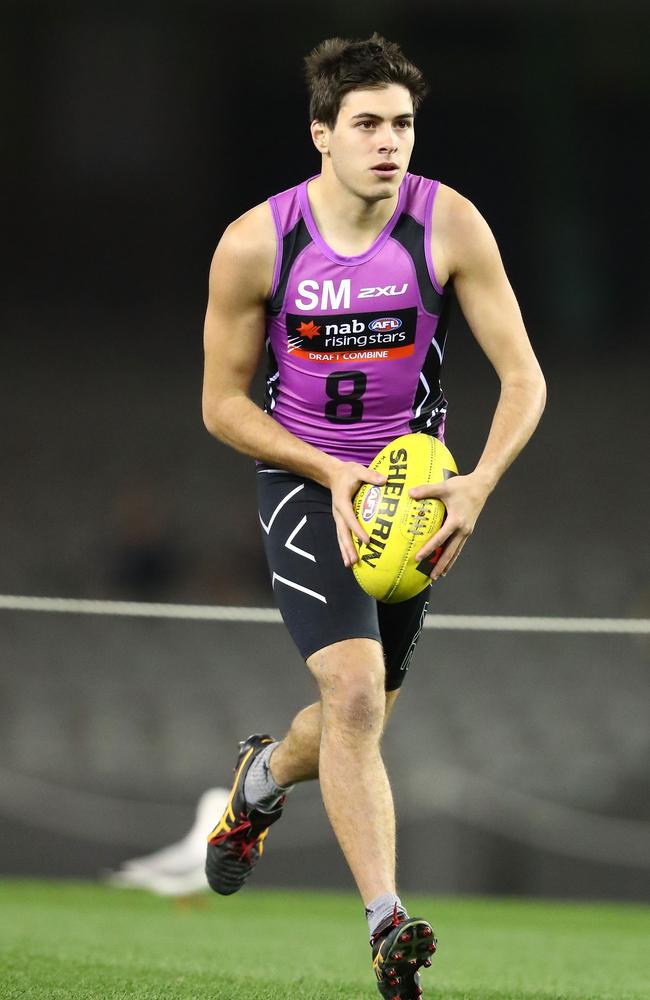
<point>387,144</point>
<point>387,140</point>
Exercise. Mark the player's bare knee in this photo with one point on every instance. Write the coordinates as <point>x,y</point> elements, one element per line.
<point>343,661</point>
<point>345,681</point>
<point>353,703</point>
<point>359,715</point>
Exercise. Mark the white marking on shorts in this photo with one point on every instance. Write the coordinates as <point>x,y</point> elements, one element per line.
<point>277,510</point>
<point>297,586</point>
<point>406,662</point>
<point>294,548</point>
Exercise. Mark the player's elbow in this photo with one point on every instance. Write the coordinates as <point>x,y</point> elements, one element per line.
<point>528,382</point>
<point>224,415</point>
<point>213,417</point>
<point>542,392</point>
<point>537,387</point>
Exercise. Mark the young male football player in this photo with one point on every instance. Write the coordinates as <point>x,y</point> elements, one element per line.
<point>347,279</point>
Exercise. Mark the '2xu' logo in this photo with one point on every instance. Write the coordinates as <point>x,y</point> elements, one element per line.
<point>374,293</point>
<point>337,295</point>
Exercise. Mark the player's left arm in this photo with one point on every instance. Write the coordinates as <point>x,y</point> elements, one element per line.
<point>473,263</point>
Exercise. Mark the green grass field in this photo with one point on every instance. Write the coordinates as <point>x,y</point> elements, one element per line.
<point>86,942</point>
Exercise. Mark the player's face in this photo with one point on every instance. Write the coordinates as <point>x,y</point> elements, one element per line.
<point>371,144</point>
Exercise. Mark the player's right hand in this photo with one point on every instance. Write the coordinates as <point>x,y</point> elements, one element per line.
<point>344,483</point>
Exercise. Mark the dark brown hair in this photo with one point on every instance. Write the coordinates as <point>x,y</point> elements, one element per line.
<point>339,65</point>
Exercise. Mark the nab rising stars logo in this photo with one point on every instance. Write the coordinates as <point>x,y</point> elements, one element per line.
<point>361,336</point>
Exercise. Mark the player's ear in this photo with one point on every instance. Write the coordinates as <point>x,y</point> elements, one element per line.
<point>320,136</point>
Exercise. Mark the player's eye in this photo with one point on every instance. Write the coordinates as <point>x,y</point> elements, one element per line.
<point>405,123</point>
<point>369,123</point>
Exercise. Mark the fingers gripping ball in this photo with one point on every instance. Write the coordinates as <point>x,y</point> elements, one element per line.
<point>398,525</point>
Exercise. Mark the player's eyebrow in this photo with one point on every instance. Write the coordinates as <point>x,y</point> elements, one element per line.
<point>371,114</point>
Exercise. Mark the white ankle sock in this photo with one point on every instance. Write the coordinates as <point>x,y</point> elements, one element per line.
<point>379,911</point>
<point>260,789</point>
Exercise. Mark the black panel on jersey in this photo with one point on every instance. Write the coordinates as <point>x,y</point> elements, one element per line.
<point>293,243</point>
<point>443,322</point>
<point>430,399</point>
<point>272,379</point>
<point>410,234</point>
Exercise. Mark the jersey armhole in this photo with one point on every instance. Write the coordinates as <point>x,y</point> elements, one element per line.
<point>428,215</point>
<point>277,267</point>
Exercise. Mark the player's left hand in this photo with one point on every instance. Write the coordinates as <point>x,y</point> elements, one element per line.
<point>464,497</point>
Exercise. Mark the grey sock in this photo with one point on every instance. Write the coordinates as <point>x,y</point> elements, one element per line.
<point>260,789</point>
<point>379,912</point>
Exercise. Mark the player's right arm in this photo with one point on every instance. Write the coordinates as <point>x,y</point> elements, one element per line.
<point>240,280</point>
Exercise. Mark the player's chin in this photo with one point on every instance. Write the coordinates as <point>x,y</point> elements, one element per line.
<point>385,186</point>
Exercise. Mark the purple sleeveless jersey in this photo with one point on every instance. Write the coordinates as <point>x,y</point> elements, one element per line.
<point>355,344</point>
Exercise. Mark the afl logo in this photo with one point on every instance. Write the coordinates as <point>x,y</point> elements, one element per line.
<point>370,503</point>
<point>385,324</point>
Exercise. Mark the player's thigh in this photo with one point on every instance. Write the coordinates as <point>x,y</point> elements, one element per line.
<point>319,599</point>
<point>400,626</point>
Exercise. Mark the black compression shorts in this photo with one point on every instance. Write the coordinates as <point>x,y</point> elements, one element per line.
<point>319,599</point>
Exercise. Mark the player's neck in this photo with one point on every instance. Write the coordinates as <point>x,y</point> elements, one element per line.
<point>347,223</point>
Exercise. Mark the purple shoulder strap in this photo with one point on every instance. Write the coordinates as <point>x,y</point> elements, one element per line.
<point>285,208</point>
<point>418,204</point>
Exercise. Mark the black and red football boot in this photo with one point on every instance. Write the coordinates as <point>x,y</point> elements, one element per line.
<point>237,842</point>
<point>399,950</point>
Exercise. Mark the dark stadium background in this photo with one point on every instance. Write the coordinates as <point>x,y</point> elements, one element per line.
<point>132,133</point>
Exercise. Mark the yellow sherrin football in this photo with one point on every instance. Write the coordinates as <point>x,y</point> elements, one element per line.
<point>397,525</point>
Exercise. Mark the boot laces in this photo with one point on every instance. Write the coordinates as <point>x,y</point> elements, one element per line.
<point>239,840</point>
<point>397,918</point>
